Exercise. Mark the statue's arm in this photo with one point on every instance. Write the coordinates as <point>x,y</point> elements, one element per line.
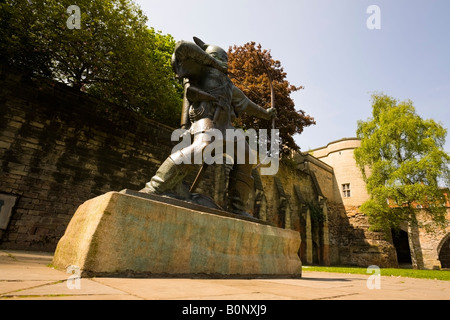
<point>188,59</point>
<point>242,103</point>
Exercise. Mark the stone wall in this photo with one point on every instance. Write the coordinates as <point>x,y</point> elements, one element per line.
<point>363,246</point>
<point>59,148</point>
<point>350,241</point>
<point>428,242</point>
<point>291,200</point>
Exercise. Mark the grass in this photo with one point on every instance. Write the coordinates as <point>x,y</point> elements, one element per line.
<point>407,273</point>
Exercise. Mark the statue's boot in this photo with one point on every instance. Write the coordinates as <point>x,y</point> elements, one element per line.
<point>169,177</point>
<point>239,189</point>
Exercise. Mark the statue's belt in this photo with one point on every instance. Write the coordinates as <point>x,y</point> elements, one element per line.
<point>194,94</point>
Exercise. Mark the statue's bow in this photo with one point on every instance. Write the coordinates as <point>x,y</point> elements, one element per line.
<point>272,91</point>
<point>272,100</point>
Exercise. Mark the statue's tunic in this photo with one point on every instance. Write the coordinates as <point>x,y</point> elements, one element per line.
<point>221,101</point>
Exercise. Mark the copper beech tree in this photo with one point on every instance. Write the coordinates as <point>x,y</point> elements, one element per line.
<point>249,66</point>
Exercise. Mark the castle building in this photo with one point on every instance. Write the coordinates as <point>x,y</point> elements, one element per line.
<point>413,244</point>
<point>339,155</point>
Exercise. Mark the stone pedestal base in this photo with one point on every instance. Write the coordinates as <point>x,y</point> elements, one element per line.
<point>122,234</point>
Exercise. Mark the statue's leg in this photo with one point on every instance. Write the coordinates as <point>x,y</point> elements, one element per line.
<point>177,166</point>
<point>168,176</point>
<point>239,187</point>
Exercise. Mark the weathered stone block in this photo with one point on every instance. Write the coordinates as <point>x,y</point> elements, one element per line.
<point>118,233</point>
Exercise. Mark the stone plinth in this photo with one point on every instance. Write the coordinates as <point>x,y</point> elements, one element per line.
<point>118,233</point>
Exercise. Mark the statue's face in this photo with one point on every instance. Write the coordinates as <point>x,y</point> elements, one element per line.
<point>217,53</point>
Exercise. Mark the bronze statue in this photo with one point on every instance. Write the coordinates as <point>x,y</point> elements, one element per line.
<point>211,101</point>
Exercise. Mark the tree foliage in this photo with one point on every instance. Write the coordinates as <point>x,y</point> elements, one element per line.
<point>249,74</point>
<point>402,161</point>
<point>114,55</point>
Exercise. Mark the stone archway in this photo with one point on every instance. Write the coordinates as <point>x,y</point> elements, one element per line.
<point>444,252</point>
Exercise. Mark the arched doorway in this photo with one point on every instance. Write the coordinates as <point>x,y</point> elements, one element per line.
<point>401,244</point>
<point>444,253</point>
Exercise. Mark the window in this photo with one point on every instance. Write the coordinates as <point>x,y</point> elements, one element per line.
<point>346,190</point>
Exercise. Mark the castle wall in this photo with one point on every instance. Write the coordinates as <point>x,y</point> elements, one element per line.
<point>59,148</point>
<point>429,242</point>
<point>357,245</point>
<point>340,156</point>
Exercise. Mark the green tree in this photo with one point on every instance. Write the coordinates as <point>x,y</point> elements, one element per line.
<point>403,163</point>
<point>250,75</point>
<point>113,55</point>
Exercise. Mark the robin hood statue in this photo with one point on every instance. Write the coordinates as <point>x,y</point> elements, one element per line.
<point>211,102</point>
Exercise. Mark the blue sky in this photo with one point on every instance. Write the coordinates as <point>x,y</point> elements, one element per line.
<point>326,46</point>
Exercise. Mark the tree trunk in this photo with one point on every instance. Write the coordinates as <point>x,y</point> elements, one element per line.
<point>414,243</point>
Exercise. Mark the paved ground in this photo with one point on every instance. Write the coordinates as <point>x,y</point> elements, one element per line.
<point>26,275</point>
